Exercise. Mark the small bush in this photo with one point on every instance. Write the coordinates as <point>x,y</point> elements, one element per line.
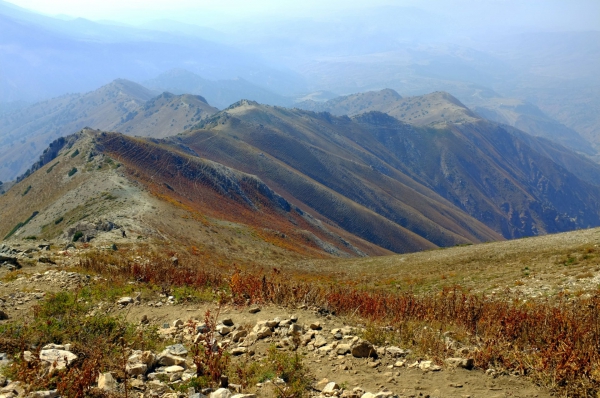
<point>75,153</point>
<point>52,167</point>
<point>58,220</point>
<point>72,171</point>
<point>26,191</point>
<point>32,237</point>
<point>78,235</point>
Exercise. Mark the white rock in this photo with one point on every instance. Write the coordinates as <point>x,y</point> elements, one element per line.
<point>319,342</point>
<point>177,323</point>
<point>136,369</point>
<point>62,358</point>
<point>125,301</point>
<point>107,382</point>
<point>264,332</point>
<point>223,330</point>
<point>330,387</point>
<point>239,351</point>
<point>174,369</point>
<point>221,393</point>
<point>43,394</point>
<point>167,359</point>
<point>237,335</point>
<point>429,365</point>
<point>343,349</point>
<point>394,352</point>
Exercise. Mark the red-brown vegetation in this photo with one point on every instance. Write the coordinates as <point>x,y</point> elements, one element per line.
<point>556,342</point>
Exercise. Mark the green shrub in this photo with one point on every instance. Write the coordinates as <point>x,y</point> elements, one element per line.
<point>27,190</point>
<point>75,153</point>
<point>78,235</point>
<point>52,167</point>
<point>72,171</point>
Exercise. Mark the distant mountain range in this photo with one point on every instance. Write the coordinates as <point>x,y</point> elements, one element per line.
<point>121,106</point>
<point>362,184</point>
<point>220,93</point>
<point>439,107</point>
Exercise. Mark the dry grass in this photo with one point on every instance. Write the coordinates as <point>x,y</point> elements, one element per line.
<point>553,341</point>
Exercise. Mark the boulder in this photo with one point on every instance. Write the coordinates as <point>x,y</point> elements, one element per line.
<point>429,366</point>
<point>227,322</point>
<point>59,359</point>
<point>107,382</point>
<point>177,349</point>
<point>136,369</point>
<point>295,329</point>
<point>254,310</point>
<point>249,340</point>
<point>43,394</point>
<point>177,323</point>
<point>238,335</point>
<point>223,330</point>
<point>221,393</point>
<point>319,341</point>
<point>125,301</point>
<point>239,351</point>
<point>363,349</point>
<point>321,384</point>
<point>315,326</point>
<point>461,363</point>
<point>167,359</point>
<point>343,349</point>
<point>264,332</point>
<point>395,352</point>
<point>330,387</point>
<point>174,369</point>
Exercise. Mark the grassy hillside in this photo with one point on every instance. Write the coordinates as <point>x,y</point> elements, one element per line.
<point>415,177</point>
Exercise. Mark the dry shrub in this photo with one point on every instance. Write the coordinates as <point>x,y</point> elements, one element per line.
<point>555,342</point>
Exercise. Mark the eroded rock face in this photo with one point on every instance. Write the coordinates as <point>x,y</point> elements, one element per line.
<point>90,230</point>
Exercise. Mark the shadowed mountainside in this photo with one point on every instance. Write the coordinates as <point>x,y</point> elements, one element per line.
<point>415,177</point>
<point>441,107</point>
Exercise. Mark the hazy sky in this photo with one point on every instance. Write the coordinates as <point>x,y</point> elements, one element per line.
<point>548,14</point>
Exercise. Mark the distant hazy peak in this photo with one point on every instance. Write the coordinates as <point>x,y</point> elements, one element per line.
<point>128,88</point>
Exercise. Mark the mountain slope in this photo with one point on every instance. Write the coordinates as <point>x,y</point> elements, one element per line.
<point>164,115</point>
<point>440,107</point>
<point>156,191</point>
<point>121,105</point>
<point>426,110</point>
<point>415,177</point>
